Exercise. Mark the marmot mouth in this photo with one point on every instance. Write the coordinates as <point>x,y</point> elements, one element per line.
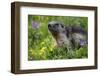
<point>53,30</point>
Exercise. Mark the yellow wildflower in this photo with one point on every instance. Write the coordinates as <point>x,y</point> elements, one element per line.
<point>42,43</point>
<point>52,47</point>
<point>43,49</point>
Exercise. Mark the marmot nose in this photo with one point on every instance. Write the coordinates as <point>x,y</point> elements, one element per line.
<point>49,25</point>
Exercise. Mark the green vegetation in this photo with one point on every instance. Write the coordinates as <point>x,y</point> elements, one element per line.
<point>41,44</point>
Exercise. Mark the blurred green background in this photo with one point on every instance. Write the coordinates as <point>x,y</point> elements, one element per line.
<point>41,44</point>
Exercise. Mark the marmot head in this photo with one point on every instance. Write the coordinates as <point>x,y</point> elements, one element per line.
<point>59,33</point>
<point>56,27</point>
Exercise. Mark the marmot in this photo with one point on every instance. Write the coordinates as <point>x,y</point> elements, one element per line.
<point>71,36</point>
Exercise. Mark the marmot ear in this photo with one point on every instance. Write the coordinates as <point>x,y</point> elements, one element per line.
<point>62,25</point>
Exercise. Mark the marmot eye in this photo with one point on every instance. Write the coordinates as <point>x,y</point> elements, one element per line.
<point>62,26</point>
